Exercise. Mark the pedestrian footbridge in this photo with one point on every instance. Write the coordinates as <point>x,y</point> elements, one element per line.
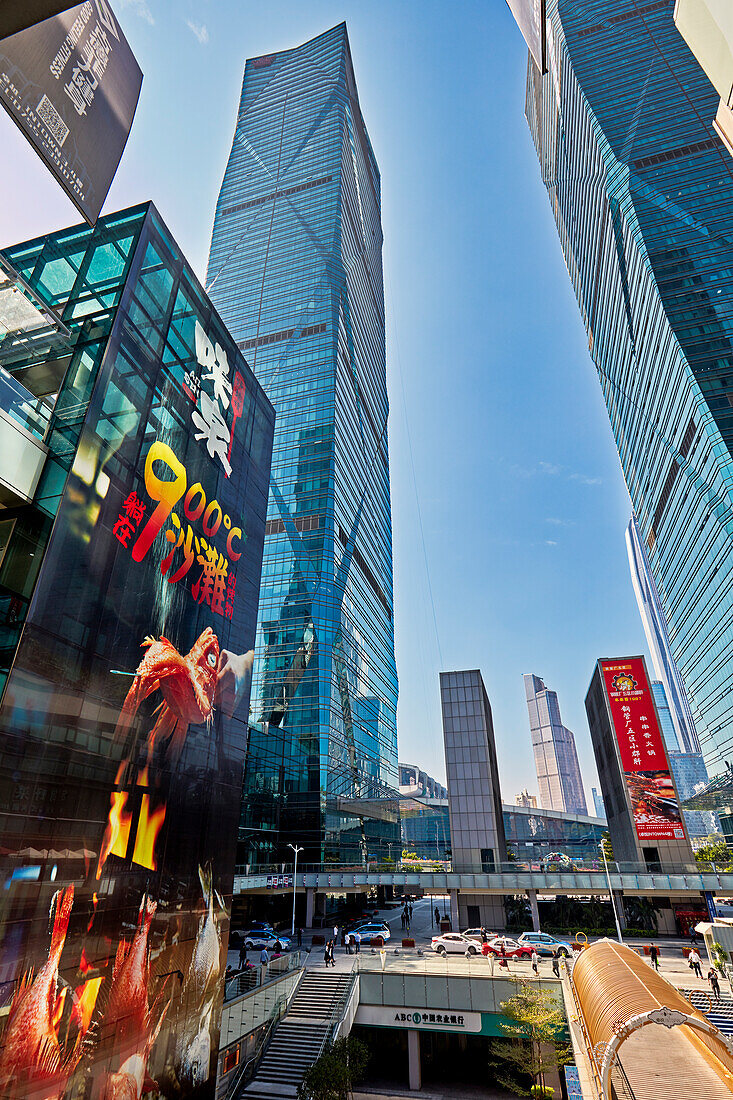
<point>643,1039</point>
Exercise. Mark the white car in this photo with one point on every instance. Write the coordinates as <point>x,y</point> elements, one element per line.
<point>258,938</point>
<point>455,943</point>
<point>371,931</point>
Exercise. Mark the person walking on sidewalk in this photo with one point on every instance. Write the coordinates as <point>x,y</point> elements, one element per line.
<point>300,936</point>
<point>695,962</point>
<point>335,935</point>
<point>357,941</point>
<point>556,962</point>
<point>403,919</point>
<point>437,917</point>
<point>264,963</point>
<point>535,963</point>
<point>328,954</point>
<point>242,956</point>
<point>654,956</point>
<point>714,983</point>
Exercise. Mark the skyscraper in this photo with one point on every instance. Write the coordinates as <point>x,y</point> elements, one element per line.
<point>655,628</point>
<point>642,193</point>
<point>688,768</point>
<point>555,756</point>
<point>295,268</point>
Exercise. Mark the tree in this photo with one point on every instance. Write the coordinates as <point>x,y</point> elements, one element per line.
<point>535,1050</point>
<point>716,851</point>
<point>334,1074</point>
<point>607,846</point>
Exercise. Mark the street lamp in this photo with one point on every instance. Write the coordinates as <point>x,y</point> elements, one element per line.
<point>610,891</point>
<point>296,849</point>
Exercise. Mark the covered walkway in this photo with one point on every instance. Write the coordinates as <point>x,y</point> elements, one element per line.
<point>645,1041</point>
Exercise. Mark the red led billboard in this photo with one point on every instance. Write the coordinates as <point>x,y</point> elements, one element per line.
<point>643,756</point>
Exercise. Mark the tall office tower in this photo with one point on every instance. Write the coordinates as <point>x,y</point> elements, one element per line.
<point>688,768</point>
<point>295,269</point>
<point>524,798</point>
<point>657,637</point>
<point>599,808</point>
<point>555,756</point>
<point>642,193</point>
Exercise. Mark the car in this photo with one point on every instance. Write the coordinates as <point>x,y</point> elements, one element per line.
<point>362,924</point>
<point>372,931</point>
<point>512,948</point>
<point>454,943</point>
<point>545,944</point>
<point>478,934</point>
<point>257,938</point>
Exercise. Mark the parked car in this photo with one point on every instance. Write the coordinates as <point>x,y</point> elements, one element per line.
<point>371,931</point>
<point>512,948</point>
<point>545,944</point>
<point>257,938</point>
<point>476,934</point>
<point>454,943</point>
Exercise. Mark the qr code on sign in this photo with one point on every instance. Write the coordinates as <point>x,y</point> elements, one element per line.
<point>52,120</point>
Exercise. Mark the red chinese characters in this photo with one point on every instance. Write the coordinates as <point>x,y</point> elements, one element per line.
<point>129,519</point>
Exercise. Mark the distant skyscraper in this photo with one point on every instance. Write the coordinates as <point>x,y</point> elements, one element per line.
<point>524,798</point>
<point>655,628</point>
<point>598,805</point>
<point>642,193</point>
<point>555,755</point>
<point>295,269</point>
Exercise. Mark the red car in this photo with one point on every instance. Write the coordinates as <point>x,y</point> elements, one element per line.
<point>512,949</point>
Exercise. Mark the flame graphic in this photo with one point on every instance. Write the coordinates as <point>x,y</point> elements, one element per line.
<point>117,833</point>
<point>84,965</point>
<point>95,901</point>
<point>142,777</point>
<point>87,998</point>
<point>148,828</point>
<point>59,1010</point>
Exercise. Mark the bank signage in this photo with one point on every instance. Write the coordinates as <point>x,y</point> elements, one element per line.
<point>424,1019</point>
<point>643,756</point>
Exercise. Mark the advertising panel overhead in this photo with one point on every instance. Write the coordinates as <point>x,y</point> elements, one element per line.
<point>123,726</point>
<point>71,83</point>
<point>641,747</point>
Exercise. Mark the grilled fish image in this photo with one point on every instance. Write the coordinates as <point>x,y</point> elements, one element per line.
<point>196,1061</point>
<point>132,1078</point>
<point>31,1061</point>
<point>187,685</point>
<point>205,966</point>
<point>128,1013</point>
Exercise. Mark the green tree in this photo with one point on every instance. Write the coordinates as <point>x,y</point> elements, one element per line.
<point>715,851</point>
<point>334,1074</point>
<point>535,1050</point>
<point>607,846</point>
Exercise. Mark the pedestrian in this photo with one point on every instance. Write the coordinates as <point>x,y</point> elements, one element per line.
<point>693,935</point>
<point>437,917</point>
<point>335,934</point>
<point>357,941</point>
<point>556,962</point>
<point>242,957</point>
<point>654,956</point>
<point>503,961</point>
<point>484,936</point>
<point>328,954</point>
<point>402,919</point>
<point>695,962</point>
<point>264,963</point>
<point>350,944</point>
<point>714,983</point>
<point>300,936</point>
<point>535,962</point>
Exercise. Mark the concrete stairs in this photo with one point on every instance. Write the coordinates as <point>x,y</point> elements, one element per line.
<point>298,1038</point>
<point>719,1012</point>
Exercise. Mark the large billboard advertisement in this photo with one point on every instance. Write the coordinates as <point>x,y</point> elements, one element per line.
<point>72,83</point>
<point>641,747</point>
<point>124,721</point>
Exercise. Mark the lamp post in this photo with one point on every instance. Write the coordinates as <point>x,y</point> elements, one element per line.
<point>610,892</point>
<point>296,849</point>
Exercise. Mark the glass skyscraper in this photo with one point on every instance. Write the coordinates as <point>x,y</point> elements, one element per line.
<point>295,269</point>
<point>555,755</point>
<point>642,193</point>
<point>688,768</point>
<point>657,637</point>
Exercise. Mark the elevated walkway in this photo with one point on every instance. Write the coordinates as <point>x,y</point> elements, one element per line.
<point>644,1039</point>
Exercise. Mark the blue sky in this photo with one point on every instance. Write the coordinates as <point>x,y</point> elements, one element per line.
<point>522,501</point>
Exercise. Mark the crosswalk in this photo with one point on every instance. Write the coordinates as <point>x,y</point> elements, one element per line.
<point>719,1012</point>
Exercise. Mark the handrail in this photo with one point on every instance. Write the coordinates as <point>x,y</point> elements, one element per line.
<point>337,1013</point>
<point>590,1051</point>
<point>401,867</point>
<point>282,1002</point>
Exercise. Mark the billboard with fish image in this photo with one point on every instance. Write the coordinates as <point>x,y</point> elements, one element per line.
<point>123,725</point>
<point>652,793</point>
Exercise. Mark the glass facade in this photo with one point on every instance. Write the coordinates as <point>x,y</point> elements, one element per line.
<point>688,769</point>
<point>642,194</point>
<point>295,269</point>
<point>134,574</point>
<point>555,755</point>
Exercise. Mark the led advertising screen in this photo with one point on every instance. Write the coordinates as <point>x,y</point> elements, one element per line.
<point>643,756</point>
<point>123,725</point>
<point>72,83</point>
